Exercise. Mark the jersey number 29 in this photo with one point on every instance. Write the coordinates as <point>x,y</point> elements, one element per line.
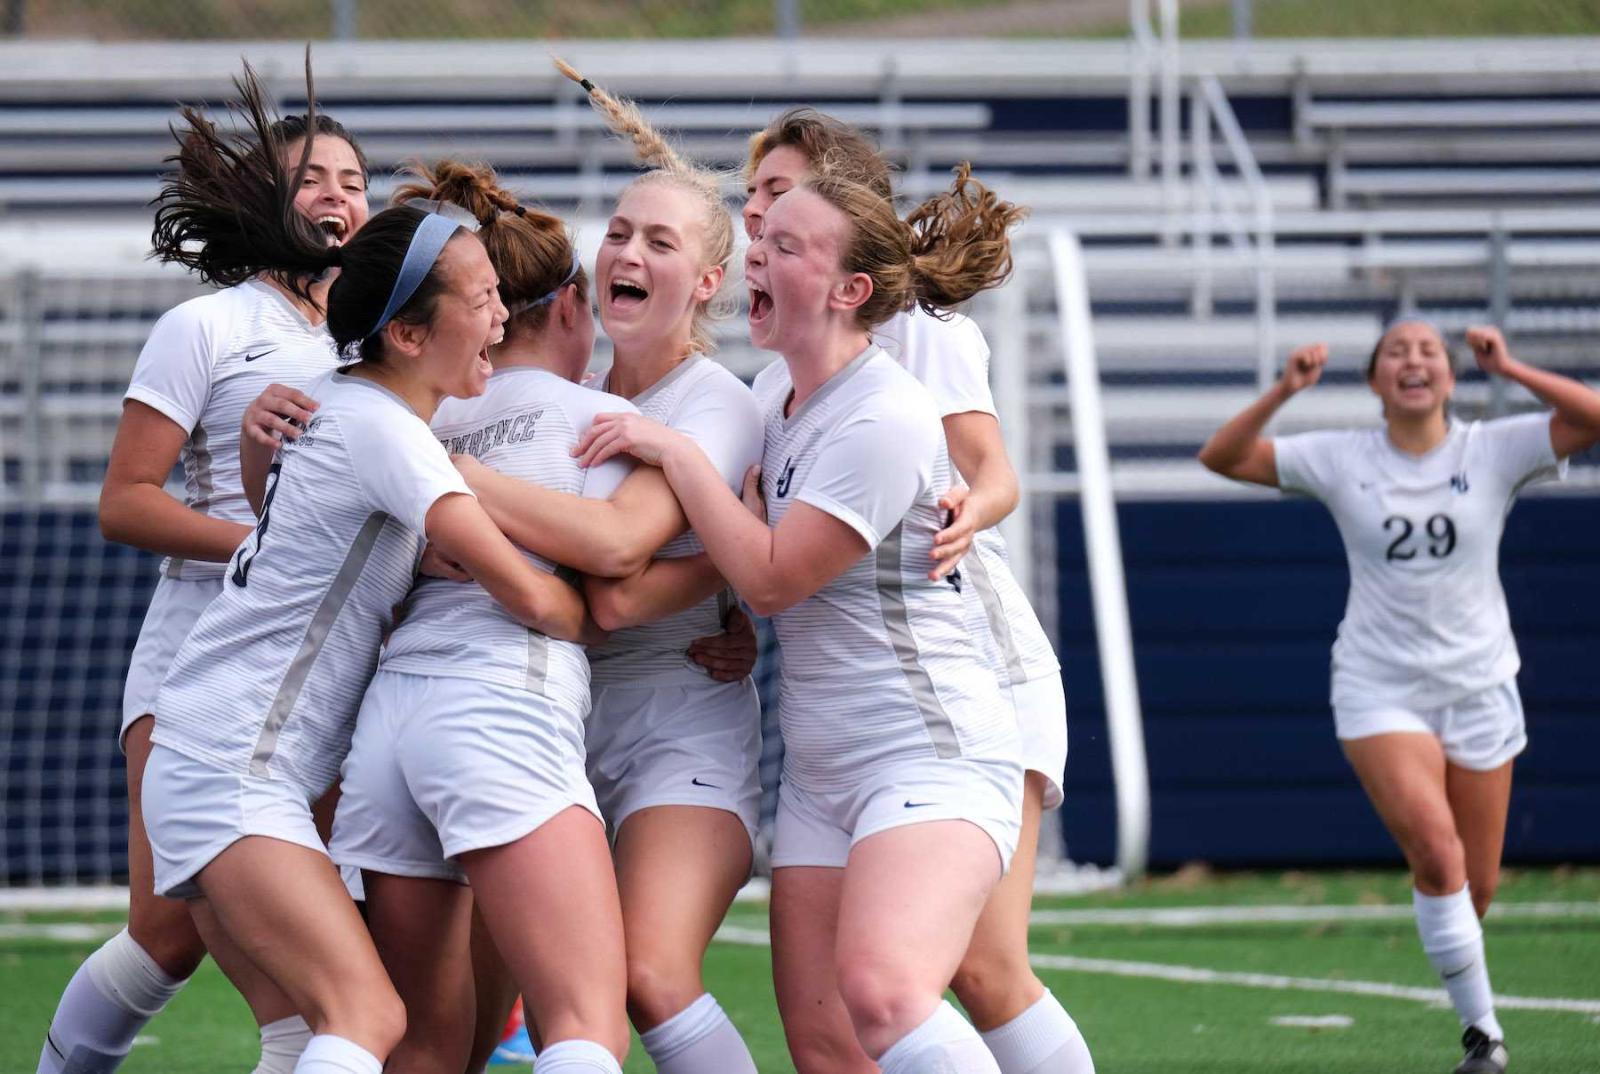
<point>1441,536</point>
<point>247,555</point>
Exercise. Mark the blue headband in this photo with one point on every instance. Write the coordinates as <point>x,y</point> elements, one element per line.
<point>427,243</point>
<point>535,303</point>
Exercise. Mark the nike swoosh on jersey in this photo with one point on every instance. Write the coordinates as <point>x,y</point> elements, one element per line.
<point>918,805</point>
<point>698,782</point>
<point>263,354</point>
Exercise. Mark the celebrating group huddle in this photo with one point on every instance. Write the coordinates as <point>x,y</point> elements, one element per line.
<point>486,614</point>
<point>442,614</point>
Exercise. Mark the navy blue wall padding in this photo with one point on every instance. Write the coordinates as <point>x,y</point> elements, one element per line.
<point>1234,607</point>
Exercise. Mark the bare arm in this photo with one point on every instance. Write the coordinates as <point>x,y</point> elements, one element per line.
<point>612,538</point>
<point>991,493</point>
<point>1575,425</point>
<point>665,587</point>
<point>464,533</point>
<point>276,415</point>
<point>135,508</point>
<point>1238,450</point>
<point>771,569</point>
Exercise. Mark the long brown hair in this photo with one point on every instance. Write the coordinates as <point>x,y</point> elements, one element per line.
<point>228,213</point>
<point>951,247</point>
<point>531,250</point>
<point>667,165</point>
<point>828,144</point>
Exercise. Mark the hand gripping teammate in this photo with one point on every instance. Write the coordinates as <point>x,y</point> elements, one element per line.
<point>901,798</point>
<point>673,752</point>
<point>468,756</point>
<point>204,363</point>
<point>256,711</point>
<point>1022,1022</point>
<point>1425,704</point>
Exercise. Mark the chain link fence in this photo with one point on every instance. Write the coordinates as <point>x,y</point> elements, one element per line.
<point>171,20</point>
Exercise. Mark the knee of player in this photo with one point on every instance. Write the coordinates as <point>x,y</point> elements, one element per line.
<point>1438,862</point>
<point>816,1051</point>
<point>377,1020</point>
<point>171,942</point>
<point>989,978</point>
<point>660,986</point>
<point>879,995</point>
<point>1483,891</point>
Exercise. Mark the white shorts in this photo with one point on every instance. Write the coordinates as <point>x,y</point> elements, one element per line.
<point>1481,731</point>
<point>194,811</point>
<point>1041,706</point>
<point>696,745</point>
<point>440,766</point>
<point>818,828</point>
<point>174,606</point>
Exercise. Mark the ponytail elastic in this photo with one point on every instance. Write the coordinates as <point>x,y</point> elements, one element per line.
<point>549,296</point>
<point>427,243</point>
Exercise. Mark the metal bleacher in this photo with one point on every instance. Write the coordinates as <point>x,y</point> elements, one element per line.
<point>1330,187</point>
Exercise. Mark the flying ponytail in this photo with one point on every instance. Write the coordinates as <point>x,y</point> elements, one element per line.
<point>669,166</point>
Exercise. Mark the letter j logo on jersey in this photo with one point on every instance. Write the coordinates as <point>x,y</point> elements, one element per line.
<point>1458,482</point>
<point>784,479</point>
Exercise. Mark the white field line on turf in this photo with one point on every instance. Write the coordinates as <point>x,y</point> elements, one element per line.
<point>1182,917</point>
<point>1199,975</point>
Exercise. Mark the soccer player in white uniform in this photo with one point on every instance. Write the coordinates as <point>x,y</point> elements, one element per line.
<point>203,365</point>
<point>256,711</point>
<point>901,796</point>
<point>1425,699</point>
<point>673,752</point>
<point>468,756</point>
<point>1022,1022</point>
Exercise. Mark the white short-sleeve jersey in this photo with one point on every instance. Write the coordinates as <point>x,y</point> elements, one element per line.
<point>711,406</point>
<point>205,361</point>
<point>1426,619</point>
<point>951,359</point>
<point>524,425</point>
<point>879,666</point>
<point>271,676</point>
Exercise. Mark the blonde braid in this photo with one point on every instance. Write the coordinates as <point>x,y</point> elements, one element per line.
<point>667,165</point>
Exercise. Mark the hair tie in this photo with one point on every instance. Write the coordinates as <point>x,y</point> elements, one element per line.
<point>549,296</point>
<point>520,209</point>
<point>427,243</point>
<point>588,87</point>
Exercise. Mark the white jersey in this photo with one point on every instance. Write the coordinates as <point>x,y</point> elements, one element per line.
<point>879,666</point>
<point>711,406</point>
<point>204,363</point>
<point>524,425</point>
<point>1426,620</point>
<point>269,680</point>
<point>951,359</point>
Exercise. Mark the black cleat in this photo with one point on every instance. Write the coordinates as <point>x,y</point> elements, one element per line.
<point>1484,1056</point>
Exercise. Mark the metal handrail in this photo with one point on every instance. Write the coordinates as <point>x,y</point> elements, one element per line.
<point>1210,110</point>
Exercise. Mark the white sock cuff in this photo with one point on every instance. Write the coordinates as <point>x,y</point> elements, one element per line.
<point>684,1029</point>
<point>327,1054</point>
<point>1446,922</point>
<point>944,1026</point>
<point>575,1057</point>
<point>1029,1038</point>
<point>129,977</point>
<point>285,1029</point>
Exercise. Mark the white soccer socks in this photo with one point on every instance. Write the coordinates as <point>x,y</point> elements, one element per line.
<point>944,1044</point>
<point>116,991</point>
<point>1452,939</point>
<point>327,1054</point>
<point>1041,1040</point>
<point>698,1040</point>
<point>281,1044</point>
<point>576,1057</point>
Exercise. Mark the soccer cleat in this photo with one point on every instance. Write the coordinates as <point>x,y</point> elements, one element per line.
<point>1484,1056</point>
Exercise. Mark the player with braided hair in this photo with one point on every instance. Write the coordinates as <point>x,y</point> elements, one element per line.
<point>673,752</point>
